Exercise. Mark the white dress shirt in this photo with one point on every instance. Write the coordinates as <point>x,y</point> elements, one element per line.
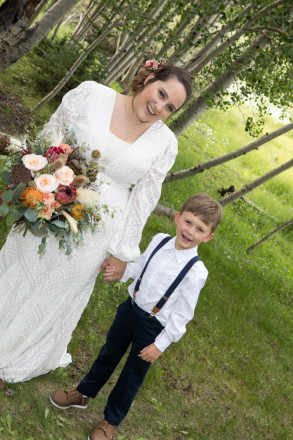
<point>162,270</point>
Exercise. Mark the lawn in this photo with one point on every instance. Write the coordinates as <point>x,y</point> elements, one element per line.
<point>229,377</point>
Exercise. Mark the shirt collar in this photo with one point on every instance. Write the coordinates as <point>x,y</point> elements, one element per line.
<point>181,255</point>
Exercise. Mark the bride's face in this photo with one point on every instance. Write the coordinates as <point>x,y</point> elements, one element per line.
<point>159,99</point>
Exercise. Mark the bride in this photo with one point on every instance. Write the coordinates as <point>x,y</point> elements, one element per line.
<point>43,296</point>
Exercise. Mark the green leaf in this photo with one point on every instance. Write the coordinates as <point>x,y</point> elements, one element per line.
<point>10,219</point>
<point>6,196</point>
<point>58,223</point>
<point>32,215</point>
<point>42,247</point>
<point>6,177</point>
<point>16,214</point>
<point>18,190</point>
<point>4,209</point>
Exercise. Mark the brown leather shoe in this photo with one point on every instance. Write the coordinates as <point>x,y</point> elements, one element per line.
<point>104,431</point>
<point>69,398</point>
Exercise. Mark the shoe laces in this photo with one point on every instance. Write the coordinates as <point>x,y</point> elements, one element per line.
<point>106,427</point>
<point>71,392</point>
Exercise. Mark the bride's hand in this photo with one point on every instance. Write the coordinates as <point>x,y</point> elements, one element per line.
<point>116,274</point>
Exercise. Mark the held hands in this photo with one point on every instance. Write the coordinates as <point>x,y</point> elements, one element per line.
<point>114,269</point>
<point>150,353</point>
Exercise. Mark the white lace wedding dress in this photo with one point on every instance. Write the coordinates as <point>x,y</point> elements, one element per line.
<point>43,297</point>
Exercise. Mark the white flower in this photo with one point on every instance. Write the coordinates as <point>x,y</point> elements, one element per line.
<point>72,222</point>
<point>46,183</point>
<point>64,175</point>
<point>34,162</point>
<point>87,197</point>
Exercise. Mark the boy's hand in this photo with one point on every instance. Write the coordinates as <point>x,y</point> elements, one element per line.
<point>109,274</point>
<point>150,353</point>
<point>119,265</point>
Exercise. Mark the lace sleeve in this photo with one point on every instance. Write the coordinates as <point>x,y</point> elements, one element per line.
<point>143,199</point>
<point>69,110</point>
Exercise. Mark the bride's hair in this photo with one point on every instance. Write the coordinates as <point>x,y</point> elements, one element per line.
<point>163,74</point>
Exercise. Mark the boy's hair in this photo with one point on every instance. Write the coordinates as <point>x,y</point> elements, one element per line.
<point>206,208</point>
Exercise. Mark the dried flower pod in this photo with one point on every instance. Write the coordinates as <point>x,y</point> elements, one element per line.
<point>20,174</point>
<point>59,163</point>
<point>96,154</point>
<point>80,180</point>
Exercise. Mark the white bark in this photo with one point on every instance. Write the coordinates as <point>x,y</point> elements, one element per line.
<point>257,182</point>
<point>229,156</point>
<point>198,105</point>
<point>197,67</point>
<point>266,237</point>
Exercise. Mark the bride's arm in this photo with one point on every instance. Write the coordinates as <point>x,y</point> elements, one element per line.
<point>143,199</point>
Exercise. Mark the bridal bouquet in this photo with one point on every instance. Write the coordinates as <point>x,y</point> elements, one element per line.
<point>47,190</point>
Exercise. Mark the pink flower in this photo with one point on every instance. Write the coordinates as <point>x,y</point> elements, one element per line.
<point>66,148</point>
<point>149,63</point>
<point>66,194</point>
<point>46,213</point>
<point>55,205</point>
<point>48,198</point>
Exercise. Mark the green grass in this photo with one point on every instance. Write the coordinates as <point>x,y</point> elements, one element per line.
<point>229,377</point>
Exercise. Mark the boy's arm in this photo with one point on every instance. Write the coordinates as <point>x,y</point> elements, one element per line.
<point>183,310</point>
<point>135,268</point>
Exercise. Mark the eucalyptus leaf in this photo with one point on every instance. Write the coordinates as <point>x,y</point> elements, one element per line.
<point>18,190</point>
<point>6,177</point>
<point>42,247</point>
<point>58,223</point>
<point>32,215</point>
<point>10,219</point>
<point>6,196</point>
<point>4,209</point>
<point>16,214</point>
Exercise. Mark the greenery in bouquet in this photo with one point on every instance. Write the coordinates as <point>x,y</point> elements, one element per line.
<point>48,189</point>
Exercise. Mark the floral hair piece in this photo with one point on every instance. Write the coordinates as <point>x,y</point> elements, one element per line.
<point>154,65</point>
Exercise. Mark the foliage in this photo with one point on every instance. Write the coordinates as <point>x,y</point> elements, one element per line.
<point>45,192</point>
<point>228,376</point>
<point>51,60</point>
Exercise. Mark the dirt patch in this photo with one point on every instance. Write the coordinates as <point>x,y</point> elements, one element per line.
<point>14,116</point>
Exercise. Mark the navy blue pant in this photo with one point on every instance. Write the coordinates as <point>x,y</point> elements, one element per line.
<point>131,325</point>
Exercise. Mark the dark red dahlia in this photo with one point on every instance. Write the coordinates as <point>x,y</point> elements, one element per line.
<point>66,194</point>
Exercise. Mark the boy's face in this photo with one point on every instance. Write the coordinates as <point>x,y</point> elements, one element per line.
<point>190,231</point>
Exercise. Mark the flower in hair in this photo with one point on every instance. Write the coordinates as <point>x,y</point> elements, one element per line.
<point>154,65</point>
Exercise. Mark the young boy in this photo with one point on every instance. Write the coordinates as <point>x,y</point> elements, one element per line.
<point>168,278</point>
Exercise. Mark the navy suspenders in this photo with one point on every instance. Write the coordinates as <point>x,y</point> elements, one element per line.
<point>175,283</point>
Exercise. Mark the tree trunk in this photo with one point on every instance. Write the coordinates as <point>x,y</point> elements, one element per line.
<point>164,210</point>
<point>229,156</point>
<point>179,58</point>
<point>214,42</point>
<point>266,237</point>
<point>127,48</point>
<point>15,16</point>
<point>34,35</point>
<point>251,186</point>
<point>198,105</point>
<point>197,67</point>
